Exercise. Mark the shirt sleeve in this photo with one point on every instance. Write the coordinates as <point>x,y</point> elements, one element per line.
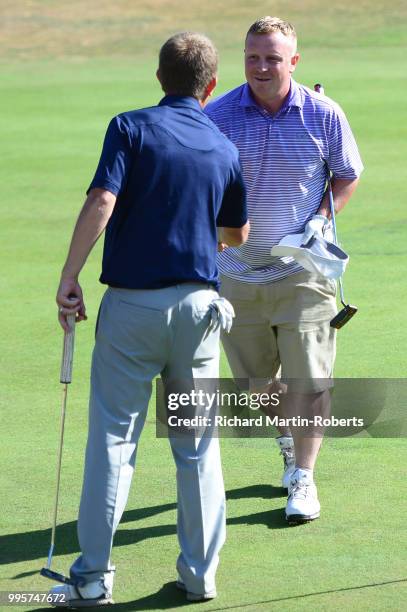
<point>233,211</point>
<point>343,159</point>
<point>116,158</point>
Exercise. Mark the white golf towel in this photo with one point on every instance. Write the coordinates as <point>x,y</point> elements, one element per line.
<point>319,255</point>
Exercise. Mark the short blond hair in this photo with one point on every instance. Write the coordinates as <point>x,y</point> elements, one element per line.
<point>267,25</point>
<point>188,62</point>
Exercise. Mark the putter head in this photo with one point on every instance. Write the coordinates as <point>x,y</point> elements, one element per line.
<point>48,573</point>
<point>343,316</point>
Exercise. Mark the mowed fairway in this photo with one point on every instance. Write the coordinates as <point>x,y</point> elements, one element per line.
<point>65,71</point>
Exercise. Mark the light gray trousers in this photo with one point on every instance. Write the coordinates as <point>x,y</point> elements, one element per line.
<point>141,334</point>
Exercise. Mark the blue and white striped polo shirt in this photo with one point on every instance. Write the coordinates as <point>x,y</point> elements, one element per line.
<point>284,158</point>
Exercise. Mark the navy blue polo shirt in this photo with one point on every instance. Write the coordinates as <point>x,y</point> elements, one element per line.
<point>176,178</point>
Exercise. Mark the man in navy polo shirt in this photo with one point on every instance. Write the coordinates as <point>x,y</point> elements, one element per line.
<point>288,137</point>
<point>166,180</point>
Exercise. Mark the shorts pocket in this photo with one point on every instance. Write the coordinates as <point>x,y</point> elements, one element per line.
<point>133,327</point>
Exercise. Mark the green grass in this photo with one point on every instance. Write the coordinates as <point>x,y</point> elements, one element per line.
<point>54,113</point>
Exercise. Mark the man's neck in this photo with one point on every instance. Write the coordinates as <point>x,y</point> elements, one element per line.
<point>273,105</point>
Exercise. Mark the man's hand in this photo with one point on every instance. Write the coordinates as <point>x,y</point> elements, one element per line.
<point>315,227</point>
<point>70,301</point>
<point>222,246</point>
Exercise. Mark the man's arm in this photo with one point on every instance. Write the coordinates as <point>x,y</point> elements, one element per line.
<point>233,224</point>
<point>342,190</point>
<point>91,222</point>
<point>232,236</point>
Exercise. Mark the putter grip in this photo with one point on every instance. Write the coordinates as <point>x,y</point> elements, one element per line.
<point>67,355</point>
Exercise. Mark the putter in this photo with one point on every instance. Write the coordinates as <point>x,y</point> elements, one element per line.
<point>348,310</point>
<point>65,379</point>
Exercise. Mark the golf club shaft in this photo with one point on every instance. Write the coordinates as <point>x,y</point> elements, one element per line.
<point>319,88</point>
<point>332,207</point>
<point>66,377</point>
<point>61,442</point>
<point>348,311</point>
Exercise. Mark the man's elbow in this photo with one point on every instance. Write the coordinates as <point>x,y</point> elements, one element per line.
<point>245,232</point>
<point>236,236</point>
<point>102,200</point>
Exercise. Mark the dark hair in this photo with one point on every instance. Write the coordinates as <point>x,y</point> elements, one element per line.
<point>187,63</point>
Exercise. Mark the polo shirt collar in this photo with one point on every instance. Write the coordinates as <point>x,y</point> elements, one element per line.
<point>294,97</point>
<point>180,101</point>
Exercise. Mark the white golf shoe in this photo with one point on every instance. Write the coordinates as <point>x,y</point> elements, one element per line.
<point>286,446</point>
<point>92,594</point>
<point>302,504</point>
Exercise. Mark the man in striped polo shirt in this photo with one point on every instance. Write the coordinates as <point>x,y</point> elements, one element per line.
<point>289,137</point>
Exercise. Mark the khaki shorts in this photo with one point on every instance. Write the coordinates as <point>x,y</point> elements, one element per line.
<point>282,324</point>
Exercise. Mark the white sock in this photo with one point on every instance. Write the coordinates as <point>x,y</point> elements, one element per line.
<point>285,441</point>
<point>304,474</point>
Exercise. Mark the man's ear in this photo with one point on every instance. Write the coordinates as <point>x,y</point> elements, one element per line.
<point>294,61</point>
<point>211,86</point>
<point>209,89</point>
